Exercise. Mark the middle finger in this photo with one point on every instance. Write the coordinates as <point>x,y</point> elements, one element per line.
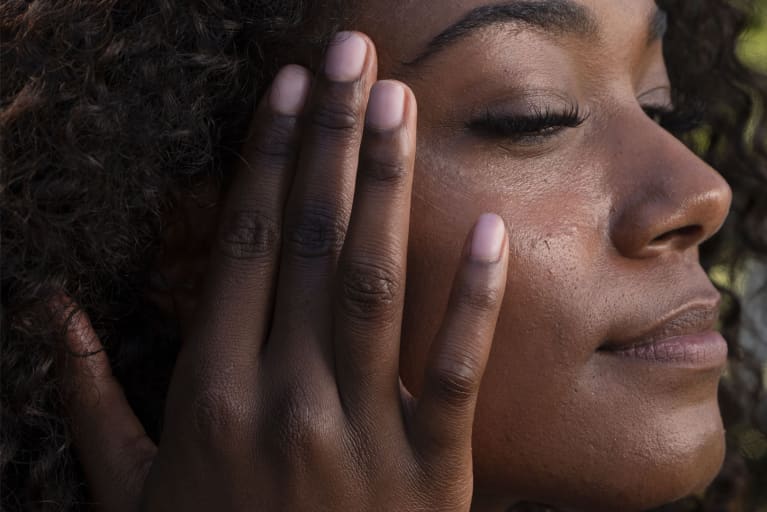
<point>320,202</point>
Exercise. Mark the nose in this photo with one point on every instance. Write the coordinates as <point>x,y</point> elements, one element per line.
<point>670,200</point>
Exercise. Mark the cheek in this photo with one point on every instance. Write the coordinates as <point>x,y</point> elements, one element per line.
<point>554,423</point>
<point>547,329</point>
<point>553,280</point>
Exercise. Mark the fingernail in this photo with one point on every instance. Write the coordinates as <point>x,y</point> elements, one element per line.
<point>346,57</point>
<point>487,241</point>
<point>289,90</point>
<point>386,105</point>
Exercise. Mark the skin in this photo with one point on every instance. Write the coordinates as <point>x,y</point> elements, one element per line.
<point>585,261</point>
<point>600,218</point>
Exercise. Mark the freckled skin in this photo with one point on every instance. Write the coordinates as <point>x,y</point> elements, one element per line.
<point>595,215</point>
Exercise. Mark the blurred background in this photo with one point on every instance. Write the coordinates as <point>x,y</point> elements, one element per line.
<point>754,45</point>
<point>742,484</point>
<point>748,434</point>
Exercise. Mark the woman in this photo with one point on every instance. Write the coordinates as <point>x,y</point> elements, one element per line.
<point>293,369</point>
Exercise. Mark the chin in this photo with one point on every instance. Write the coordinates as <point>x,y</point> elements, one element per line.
<point>636,465</point>
<point>657,477</point>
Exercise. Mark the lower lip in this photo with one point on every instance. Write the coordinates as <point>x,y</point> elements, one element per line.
<point>706,350</point>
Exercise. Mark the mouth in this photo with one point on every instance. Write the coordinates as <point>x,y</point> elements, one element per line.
<point>686,337</point>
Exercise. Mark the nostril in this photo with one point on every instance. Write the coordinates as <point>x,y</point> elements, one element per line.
<point>686,235</point>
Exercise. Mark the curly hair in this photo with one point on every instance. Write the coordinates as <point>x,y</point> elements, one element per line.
<point>114,112</point>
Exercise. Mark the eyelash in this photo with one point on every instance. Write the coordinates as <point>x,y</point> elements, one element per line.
<point>546,123</point>
<point>679,120</point>
<point>539,124</point>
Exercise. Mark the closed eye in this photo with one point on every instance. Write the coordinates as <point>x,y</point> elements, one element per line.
<point>677,120</point>
<point>527,127</point>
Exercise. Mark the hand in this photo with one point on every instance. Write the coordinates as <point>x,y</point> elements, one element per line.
<point>287,396</point>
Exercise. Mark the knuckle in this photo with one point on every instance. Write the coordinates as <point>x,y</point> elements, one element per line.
<point>275,142</point>
<point>335,116</point>
<point>477,297</point>
<point>387,171</point>
<point>455,382</point>
<point>368,290</point>
<point>297,425</point>
<point>315,232</point>
<point>247,234</point>
<point>219,415</point>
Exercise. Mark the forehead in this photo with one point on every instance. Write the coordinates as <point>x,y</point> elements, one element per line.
<point>403,29</point>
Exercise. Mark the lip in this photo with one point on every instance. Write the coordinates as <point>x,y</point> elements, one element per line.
<point>704,350</point>
<point>685,336</point>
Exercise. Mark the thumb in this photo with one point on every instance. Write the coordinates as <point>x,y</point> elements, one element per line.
<point>114,450</point>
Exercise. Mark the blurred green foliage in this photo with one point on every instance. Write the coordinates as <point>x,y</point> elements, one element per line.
<point>752,443</point>
<point>753,48</point>
<point>746,437</point>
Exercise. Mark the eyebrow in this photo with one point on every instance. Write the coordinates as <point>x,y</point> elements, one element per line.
<point>559,17</point>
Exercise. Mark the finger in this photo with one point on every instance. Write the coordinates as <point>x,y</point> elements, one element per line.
<point>371,275</point>
<point>445,410</point>
<point>319,205</point>
<point>240,287</point>
<point>114,450</point>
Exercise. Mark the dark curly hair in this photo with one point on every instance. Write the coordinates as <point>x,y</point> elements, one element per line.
<point>114,112</point>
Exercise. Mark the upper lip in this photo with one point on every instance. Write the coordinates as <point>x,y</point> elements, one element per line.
<point>694,317</point>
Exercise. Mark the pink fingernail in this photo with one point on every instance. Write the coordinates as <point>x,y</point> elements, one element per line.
<point>289,90</point>
<point>386,106</point>
<point>487,242</point>
<point>346,57</point>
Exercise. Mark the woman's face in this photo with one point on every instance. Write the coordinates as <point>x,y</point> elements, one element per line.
<point>536,111</point>
<point>537,114</point>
